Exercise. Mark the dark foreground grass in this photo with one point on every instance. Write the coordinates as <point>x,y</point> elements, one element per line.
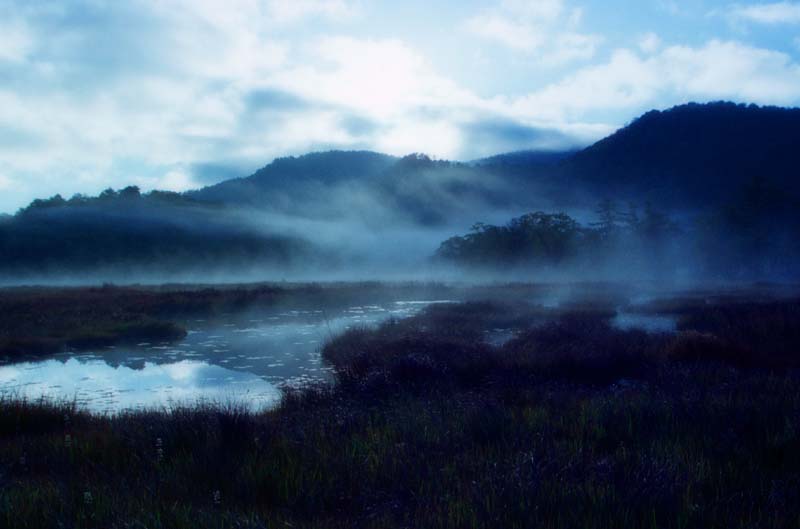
<point>430,427</point>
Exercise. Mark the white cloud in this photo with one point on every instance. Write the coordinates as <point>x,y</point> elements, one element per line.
<point>176,89</point>
<point>718,70</point>
<point>545,29</point>
<point>624,81</point>
<point>169,91</point>
<point>386,82</point>
<point>440,138</point>
<point>539,10</point>
<point>733,70</point>
<point>5,183</point>
<point>177,180</point>
<point>380,78</point>
<point>293,10</point>
<point>264,13</point>
<point>649,43</point>
<point>774,13</point>
<point>569,47</point>
<point>511,33</point>
<point>16,42</point>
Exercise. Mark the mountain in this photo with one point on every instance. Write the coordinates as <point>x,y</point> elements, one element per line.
<point>525,159</point>
<point>124,232</point>
<point>686,158</point>
<point>730,164</point>
<point>414,189</point>
<point>275,184</point>
<point>692,156</point>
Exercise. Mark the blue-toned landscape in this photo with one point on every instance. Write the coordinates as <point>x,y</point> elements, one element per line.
<point>360,264</point>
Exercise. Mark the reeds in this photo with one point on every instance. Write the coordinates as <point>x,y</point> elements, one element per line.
<point>441,430</point>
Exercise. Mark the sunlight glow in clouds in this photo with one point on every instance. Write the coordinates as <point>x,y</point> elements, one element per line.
<point>97,93</point>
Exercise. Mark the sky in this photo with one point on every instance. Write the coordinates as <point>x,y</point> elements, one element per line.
<point>177,94</point>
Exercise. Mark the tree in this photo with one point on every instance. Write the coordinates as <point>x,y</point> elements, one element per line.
<point>607,218</point>
<point>532,238</point>
<point>631,219</point>
<point>655,226</point>
<point>108,194</point>
<point>130,193</point>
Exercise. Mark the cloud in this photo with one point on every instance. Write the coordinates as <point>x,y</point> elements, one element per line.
<point>380,77</point>
<point>5,183</point>
<point>182,93</point>
<point>266,99</point>
<point>511,33</point>
<point>494,135</point>
<point>717,70</point>
<point>734,70</point>
<point>649,43</point>
<point>541,10</point>
<point>293,10</point>
<point>165,84</point>
<point>774,13</point>
<point>16,42</point>
<point>545,30</point>
<point>570,47</point>
<point>177,180</point>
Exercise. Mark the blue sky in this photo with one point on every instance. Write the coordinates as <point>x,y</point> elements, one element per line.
<point>175,94</point>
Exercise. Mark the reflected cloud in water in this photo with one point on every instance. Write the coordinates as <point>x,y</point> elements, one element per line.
<point>242,358</point>
<point>102,388</point>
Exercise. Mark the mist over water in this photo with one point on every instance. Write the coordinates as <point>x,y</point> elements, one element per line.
<point>244,359</point>
<point>248,357</point>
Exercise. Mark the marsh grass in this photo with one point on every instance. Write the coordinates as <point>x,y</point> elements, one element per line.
<point>571,424</point>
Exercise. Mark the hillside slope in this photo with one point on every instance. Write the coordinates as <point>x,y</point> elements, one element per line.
<point>691,156</point>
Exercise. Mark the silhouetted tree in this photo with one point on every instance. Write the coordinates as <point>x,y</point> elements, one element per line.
<point>532,238</point>
<point>608,217</point>
<point>130,193</point>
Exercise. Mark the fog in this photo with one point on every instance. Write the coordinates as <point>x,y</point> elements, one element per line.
<point>373,242</point>
<point>351,216</point>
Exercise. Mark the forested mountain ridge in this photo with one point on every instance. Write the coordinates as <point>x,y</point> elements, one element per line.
<point>693,155</point>
<point>732,167</point>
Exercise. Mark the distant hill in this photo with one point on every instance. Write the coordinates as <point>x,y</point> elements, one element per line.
<point>274,184</point>
<point>414,189</point>
<point>686,158</point>
<point>691,156</point>
<point>692,160</point>
<point>525,159</point>
<point>125,232</point>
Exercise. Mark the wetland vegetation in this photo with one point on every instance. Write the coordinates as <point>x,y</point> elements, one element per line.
<point>569,420</point>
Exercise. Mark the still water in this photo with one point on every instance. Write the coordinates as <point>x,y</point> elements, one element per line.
<point>233,359</point>
<point>245,360</point>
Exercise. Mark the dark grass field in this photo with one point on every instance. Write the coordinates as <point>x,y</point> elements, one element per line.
<point>570,423</point>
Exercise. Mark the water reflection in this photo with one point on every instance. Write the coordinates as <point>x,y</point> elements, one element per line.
<point>245,359</point>
<point>102,388</point>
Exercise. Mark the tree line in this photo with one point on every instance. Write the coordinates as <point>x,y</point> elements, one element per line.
<point>756,235</point>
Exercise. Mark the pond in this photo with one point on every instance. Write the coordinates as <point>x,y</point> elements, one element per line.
<point>238,359</point>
